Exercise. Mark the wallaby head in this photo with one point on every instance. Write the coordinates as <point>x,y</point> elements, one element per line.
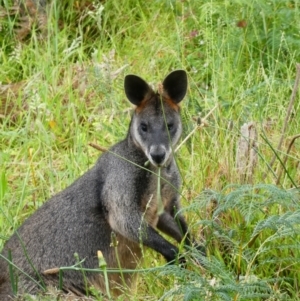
<point>156,126</point>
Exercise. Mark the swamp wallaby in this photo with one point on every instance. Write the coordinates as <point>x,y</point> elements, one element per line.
<point>118,195</point>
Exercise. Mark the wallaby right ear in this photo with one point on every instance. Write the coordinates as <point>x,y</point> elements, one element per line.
<point>136,89</point>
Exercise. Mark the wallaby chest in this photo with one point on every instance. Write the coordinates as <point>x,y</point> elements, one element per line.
<point>167,191</point>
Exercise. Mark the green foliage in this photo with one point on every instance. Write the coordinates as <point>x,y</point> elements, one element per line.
<point>62,88</point>
<point>252,239</point>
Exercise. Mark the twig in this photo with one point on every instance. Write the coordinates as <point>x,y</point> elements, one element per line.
<point>288,114</point>
<point>286,157</point>
<point>280,161</point>
<point>198,126</point>
<point>98,147</point>
<point>52,271</point>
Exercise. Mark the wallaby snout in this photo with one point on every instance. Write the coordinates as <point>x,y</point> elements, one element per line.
<point>158,154</point>
<point>117,196</point>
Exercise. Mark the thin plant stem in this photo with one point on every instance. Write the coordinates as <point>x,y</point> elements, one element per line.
<point>278,157</point>
<point>13,280</point>
<point>103,266</point>
<point>115,245</point>
<point>286,156</point>
<point>288,114</point>
<point>160,205</point>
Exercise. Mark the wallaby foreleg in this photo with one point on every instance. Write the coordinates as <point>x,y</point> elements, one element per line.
<point>180,221</point>
<point>136,229</point>
<point>182,224</point>
<point>168,225</point>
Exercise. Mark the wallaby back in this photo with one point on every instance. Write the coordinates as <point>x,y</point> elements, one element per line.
<point>118,195</point>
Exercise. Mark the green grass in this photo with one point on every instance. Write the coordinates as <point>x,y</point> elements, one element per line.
<point>240,55</point>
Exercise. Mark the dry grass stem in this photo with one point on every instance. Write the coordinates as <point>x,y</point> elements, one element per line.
<point>286,157</point>
<point>197,127</point>
<point>98,147</point>
<point>288,114</point>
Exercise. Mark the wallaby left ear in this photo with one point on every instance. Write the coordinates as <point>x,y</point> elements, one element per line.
<point>175,85</point>
<point>136,89</point>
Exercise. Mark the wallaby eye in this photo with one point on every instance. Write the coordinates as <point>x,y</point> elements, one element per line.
<point>144,127</point>
<point>170,126</point>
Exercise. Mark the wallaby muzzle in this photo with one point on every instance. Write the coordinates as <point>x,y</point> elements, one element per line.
<point>158,154</point>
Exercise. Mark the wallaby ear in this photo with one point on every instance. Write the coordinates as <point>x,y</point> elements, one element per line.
<point>175,85</point>
<point>136,89</point>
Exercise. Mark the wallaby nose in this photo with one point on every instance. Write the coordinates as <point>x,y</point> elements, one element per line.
<point>158,155</point>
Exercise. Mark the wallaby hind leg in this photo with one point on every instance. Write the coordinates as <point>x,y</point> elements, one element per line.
<point>122,253</point>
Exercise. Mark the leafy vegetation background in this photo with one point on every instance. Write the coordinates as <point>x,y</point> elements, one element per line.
<point>62,88</point>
